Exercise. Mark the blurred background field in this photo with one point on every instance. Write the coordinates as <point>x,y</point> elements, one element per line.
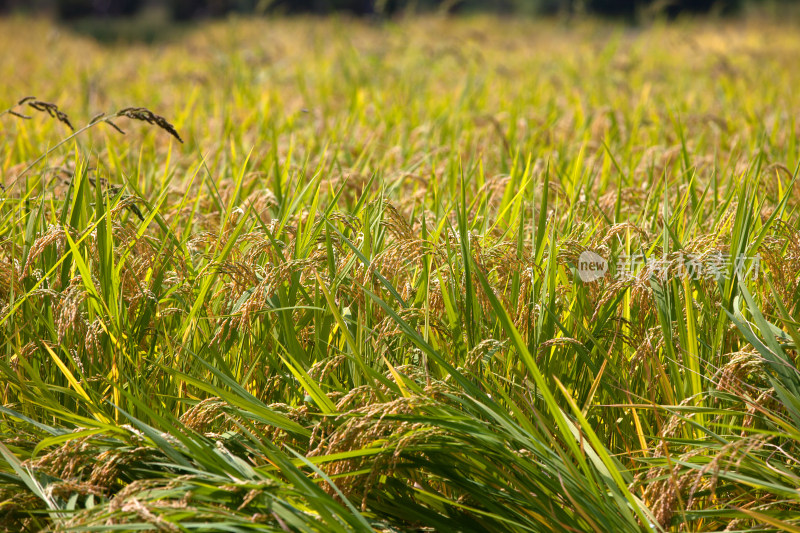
<point>152,20</point>
<point>327,280</point>
<point>185,9</point>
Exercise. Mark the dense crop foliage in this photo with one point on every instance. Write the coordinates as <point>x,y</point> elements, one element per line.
<point>351,297</point>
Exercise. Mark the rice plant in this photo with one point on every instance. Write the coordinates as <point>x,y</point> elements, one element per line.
<point>333,277</point>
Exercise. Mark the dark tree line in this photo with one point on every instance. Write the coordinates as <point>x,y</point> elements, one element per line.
<point>188,9</point>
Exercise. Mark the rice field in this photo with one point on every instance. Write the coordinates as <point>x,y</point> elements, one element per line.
<point>431,274</point>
